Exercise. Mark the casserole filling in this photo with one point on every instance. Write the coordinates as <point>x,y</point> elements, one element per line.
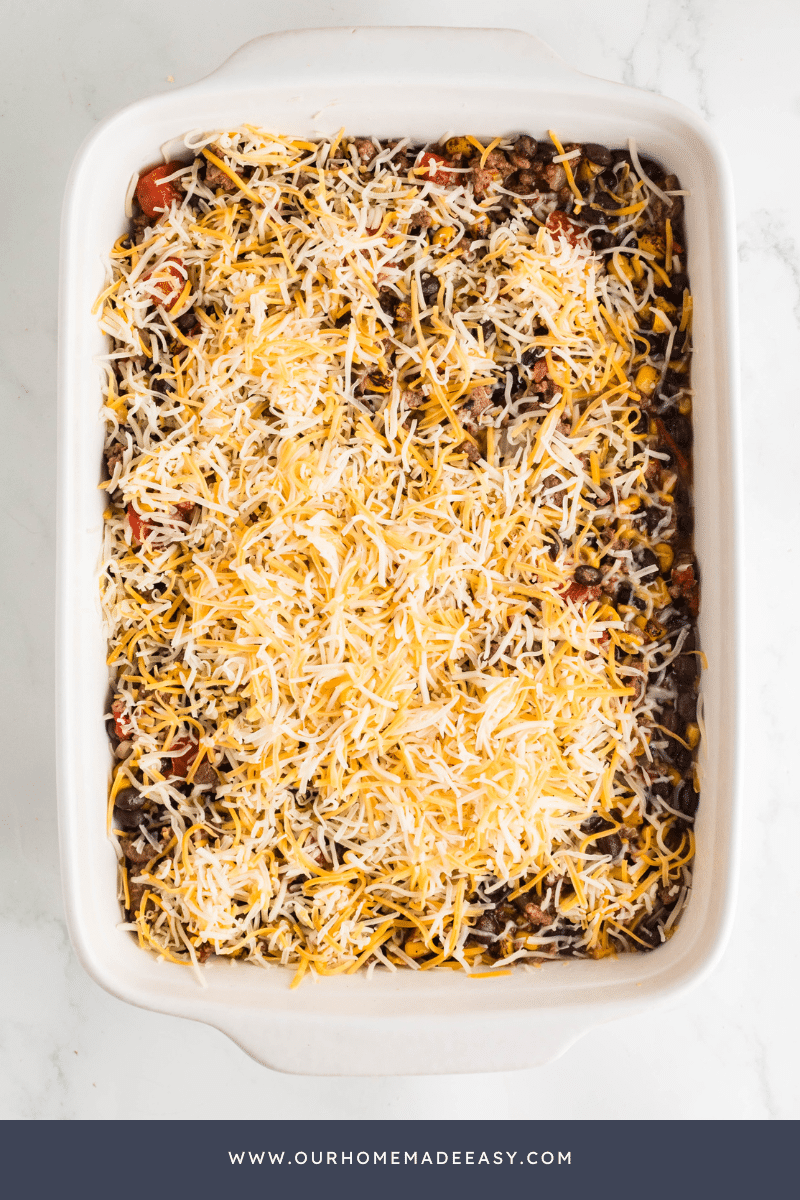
<point>397,568</point>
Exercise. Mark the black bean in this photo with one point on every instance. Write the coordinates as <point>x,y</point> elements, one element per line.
<point>685,523</point>
<point>657,343</point>
<point>430,287</point>
<point>609,845</point>
<point>651,168</point>
<point>677,754</point>
<point>645,557</point>
<point>674,381</point>
<point>624,593</point>
<point>669,719</point>
<point>594,823</point>
<point>684,668</point>
<point>609,178</point>
<point>686,704</point>
<point>488,329</point>
<point>686,798</point>
<point>690,641</point>
<point>126,243</point>
<point>662,789</point>
<point>566,931</point>
<point>602,240</point>
<point>187,322</point>
<point>678,283</point>
<point>647,931</point>
<point>679,428</point>
<point>529,357</point>
<point>553,546</point>
<point>340,322</point>
<point>618,156</point>
<point>653,516</point>
<point>588,576</point>
<point>599,155</point>
<point>491,891</point>
<point>128,818</point>
<point>161,385</point>
<point>487,927</point>
<point>129,799</point>
<point>526,145</point>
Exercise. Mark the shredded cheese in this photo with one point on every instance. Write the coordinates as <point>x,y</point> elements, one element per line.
<point>339,567</point>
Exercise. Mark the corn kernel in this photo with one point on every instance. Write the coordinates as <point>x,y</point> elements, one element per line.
<point>640,621</point>
<point>444,235</point>
<point>685,405</point>
<point>665,555</point>
<point>458,145</point>
<point>587,170</point>
<point>415,948</point>
<point>653,244</point>
<point>673,773</point>
<point>665,305</point>
<point>629,504</point>
<point>659,324</point>
<point>692,734</point>
<point>646,380</point>
<point>660,593</point>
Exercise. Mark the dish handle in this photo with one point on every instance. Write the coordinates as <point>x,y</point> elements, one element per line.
<point>366,51</point>
<point>446,1044</point>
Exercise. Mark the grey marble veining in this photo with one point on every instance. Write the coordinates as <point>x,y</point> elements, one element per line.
<point>730,1049</point>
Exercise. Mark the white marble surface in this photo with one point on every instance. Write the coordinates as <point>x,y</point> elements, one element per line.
<point>68,1050</point>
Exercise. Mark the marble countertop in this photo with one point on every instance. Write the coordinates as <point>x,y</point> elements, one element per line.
<point>730,1049</point>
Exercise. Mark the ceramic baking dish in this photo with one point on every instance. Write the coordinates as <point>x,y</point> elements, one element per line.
<point>394,82</point>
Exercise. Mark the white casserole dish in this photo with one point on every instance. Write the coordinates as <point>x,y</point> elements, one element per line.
<point>393,82</point>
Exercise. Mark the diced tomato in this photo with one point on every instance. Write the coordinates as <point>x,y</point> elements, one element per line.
<point>183,752</point>
<point>581,593</point>
<point>440,177</point>
<point>684,584</point>
<point>122,722</point>
<point>561,225</point>
<point>139,527</point>
<point>171,287</point>
<point>155,197</point>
